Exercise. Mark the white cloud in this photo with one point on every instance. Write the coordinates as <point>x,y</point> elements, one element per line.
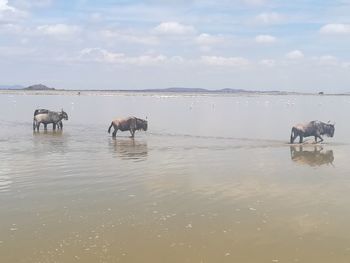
<point>268,62</point>
<point>265,39</point>
<point>26,4</point>
<point>11,28</point>
<point>4,6</point>
<point>173,28</point>
<point>208,40</point>
<point>327,60</point>
<point>225,61</point>
<point>8,13</point>
<point>335,29</point>
<point>295,54</point>
<point>100,55</point>
<point>59,30</point>
<point>269,18</point>
<point>131,38</point>
<point>104,56</point>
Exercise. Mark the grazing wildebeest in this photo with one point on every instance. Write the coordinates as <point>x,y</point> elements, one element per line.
<point>128,124</point>
<point>315,157</point>
<point>46,116</point>
<point>313,128</point>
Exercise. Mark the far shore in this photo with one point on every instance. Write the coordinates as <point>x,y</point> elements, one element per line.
<point>157,93</point>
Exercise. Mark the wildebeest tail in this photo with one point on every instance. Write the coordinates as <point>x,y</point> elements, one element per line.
<point>110,127</point>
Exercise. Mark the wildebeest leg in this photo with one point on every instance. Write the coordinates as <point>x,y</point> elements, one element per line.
<point>292,138</point>
<point>34,125</point>
<point>321,139</point>
<point>54,126</point>
<point>300,139</point>
<point>293,135</point>
<point>61,125</point>
<point>132,131</point>
<point>45,126</point>
<point>114,134</point>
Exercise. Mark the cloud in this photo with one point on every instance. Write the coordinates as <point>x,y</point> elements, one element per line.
<point>295,54</point>
<point>265,39</point>
<point>269,18</point>
<point>129,37</point>
<point>208,40</point>
<point>225,61</point>
<point>173,28</point>
<point>335,29</point>
<point>10,28</point>
<point>327,60</point>
<point>268,62</point>
<point>8,13</point>
<point>104,56</point>
<point>4,6</point>
<point>59,30</point>
<point>27,4</point>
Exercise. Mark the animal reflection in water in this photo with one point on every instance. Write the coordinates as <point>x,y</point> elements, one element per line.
<point>316,156</point>
<point>129,148</point>
<point>57,133</point>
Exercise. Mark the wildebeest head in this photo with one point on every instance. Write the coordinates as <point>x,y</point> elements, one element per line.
<point>329,129</point>
<point>64,115</point>
<point>142,124</point>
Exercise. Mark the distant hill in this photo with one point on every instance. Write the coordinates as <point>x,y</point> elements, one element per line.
<point>10,87</point>
<point>199,90</point>
<point>38,87</point>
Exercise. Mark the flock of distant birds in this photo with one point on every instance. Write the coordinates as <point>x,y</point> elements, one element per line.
<point>43,116</point>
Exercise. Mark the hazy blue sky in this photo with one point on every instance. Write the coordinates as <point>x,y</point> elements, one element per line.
<point>250,44</point>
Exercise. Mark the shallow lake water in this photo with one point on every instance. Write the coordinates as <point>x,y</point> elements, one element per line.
<point>212,180</point>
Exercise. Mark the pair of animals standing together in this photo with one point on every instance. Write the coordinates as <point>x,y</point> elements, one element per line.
<point>132,124</point>
<point>46,117</point>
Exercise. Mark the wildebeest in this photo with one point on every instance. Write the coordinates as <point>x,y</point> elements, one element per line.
<point>46,116</point>
<point>128,124</point>
<point>313,128</point>
<point>314,157</point>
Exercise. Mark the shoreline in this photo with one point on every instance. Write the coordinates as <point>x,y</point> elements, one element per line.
<point>156,93</point>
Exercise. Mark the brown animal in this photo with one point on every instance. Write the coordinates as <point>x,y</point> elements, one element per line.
<point>313,128</point>
<point>131,124</point>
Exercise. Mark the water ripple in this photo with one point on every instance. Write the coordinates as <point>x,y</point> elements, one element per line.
<point>5,183</point>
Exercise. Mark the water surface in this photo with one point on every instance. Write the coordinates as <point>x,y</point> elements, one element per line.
<point>213,180</point>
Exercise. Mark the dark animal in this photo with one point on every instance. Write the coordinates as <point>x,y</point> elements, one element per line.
<point>315,157</point>
<point>131,124</point>
<point>46,116</point>
<point>313,128</point>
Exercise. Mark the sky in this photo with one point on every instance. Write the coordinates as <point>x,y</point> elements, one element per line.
<point>213,44</point>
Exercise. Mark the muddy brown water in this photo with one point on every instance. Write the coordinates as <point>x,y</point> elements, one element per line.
<point>212,180</point>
